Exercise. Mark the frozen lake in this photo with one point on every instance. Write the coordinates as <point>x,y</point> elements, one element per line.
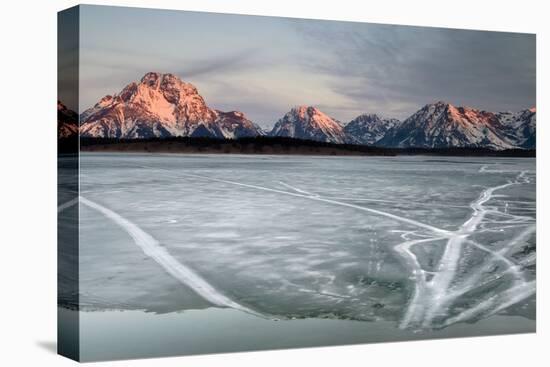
<point>419,243</point>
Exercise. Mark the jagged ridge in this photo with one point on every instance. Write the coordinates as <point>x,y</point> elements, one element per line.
<point>368,129</point>
<point>442,125</point>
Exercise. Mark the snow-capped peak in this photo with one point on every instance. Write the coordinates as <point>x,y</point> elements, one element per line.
<point>368,128</point>
<point>308,122</point>
<point>161,105</point>
<point>441,125</point>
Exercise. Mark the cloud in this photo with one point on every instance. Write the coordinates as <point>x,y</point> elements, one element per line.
<point>397,69</point>
<point>242,60</point>
<point>263,66</point>
<point>108,70</point>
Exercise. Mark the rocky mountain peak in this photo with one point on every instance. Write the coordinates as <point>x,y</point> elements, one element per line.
<point>442,125</point>
<point>308,122</point>
<point>160,105</point>
<point>368,128</point>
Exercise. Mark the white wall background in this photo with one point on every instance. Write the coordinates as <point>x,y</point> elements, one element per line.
<point>28,181</point>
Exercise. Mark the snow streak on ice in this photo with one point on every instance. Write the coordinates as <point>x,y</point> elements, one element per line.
<point>154,250</point>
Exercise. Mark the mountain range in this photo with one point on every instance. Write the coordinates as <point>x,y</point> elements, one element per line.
<point>162,105</point>
<point>442,125</point>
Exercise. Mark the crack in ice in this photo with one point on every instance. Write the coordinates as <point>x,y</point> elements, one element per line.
<point>152,248</point>
<point>317,198</point>
<point>440,292</point>
<point>67,204</point>
<point>301,191</point>
<point>432,298</point>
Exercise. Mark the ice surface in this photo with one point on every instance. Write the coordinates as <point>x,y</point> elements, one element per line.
<point>421,241</point>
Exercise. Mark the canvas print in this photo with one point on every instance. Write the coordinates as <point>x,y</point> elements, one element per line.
<point>234,183</point>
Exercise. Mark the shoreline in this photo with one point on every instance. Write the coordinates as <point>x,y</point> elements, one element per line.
<point>278,146</point>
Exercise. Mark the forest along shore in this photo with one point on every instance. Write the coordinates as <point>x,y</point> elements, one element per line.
<point>275,145</point>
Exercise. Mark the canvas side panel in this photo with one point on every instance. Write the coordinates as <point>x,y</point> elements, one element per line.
<point>67,183</point>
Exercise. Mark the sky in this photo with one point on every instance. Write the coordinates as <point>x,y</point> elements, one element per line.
<point>263,66</point>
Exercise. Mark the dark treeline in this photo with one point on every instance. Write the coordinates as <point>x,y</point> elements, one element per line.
<point>67,145</point>
<point>276,145</point>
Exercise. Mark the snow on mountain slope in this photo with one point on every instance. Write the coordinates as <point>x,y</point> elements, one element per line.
<point>67,121</point>
<point>520,127</point>
<point>368,129</point>
<point>442,125</point>
<point>162,105</point>
<point>306,122</point>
